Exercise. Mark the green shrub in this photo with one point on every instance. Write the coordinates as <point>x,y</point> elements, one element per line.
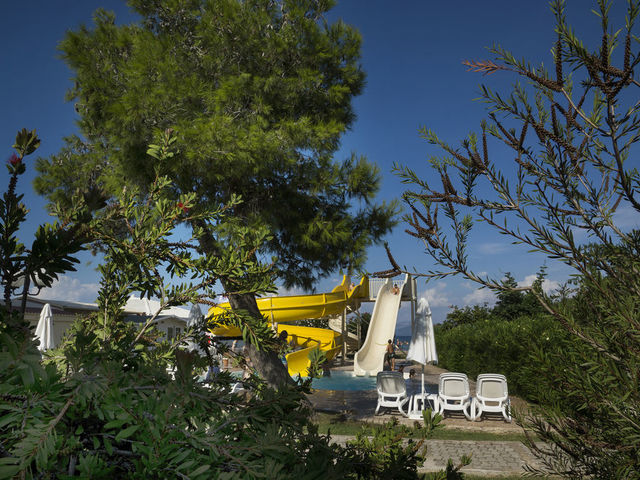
<point>499,346</point>
<point>102,405</point>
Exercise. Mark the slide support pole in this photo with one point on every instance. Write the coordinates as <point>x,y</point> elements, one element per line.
<point>344,336</point>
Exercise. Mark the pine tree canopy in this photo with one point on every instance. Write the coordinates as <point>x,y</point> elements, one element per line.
<point>258,92</point>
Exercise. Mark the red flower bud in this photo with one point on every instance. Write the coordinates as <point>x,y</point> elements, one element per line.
<point>15,160</point>
<point>184,208</point>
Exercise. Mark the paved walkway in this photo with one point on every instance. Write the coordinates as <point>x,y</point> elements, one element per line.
<point>487,457</point>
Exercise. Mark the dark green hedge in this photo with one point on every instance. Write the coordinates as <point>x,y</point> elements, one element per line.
<point>496,345</point>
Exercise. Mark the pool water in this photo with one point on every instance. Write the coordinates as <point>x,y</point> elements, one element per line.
<point>340,380</point>
<point>347,381</point>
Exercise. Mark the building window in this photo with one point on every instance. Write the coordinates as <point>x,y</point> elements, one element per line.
<point>169,333</point>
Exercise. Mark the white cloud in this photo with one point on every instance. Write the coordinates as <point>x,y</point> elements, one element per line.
<point>282,291</point>
<point>626,217</point>
<point>71,290</point>
<point>548,286</point>
<point>480,296</point>
<point>492,248</point>
<point>436,296</point>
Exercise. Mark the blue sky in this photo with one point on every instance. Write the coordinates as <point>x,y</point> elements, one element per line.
<point>412,54</point>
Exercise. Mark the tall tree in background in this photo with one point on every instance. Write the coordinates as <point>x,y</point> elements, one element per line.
<point>573,134</point>
<point>513,303</point>
<point>259,93</point>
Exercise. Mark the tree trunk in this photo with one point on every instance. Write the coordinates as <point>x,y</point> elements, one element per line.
<point>266,362</point>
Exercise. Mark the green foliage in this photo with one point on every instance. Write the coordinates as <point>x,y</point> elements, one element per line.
<point>260,93</point>
<point>342,424</point>
<point>361,320</point>
<point>513,303</point>
<point>52,249</point>
<point>111,408</point>
<point>431,424</point>
<point>500,346</point>
<point>465,316</point>
<point>451,472</point>
<point>599,392</point>
<point>314,322</point>
<point>390,451</point>
<point>379,452</point>
<point>478,339</point>
<point>317,357</point>
<point>105,404</point>
<point>573,134</point>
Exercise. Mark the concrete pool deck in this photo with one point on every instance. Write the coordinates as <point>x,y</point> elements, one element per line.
<point>495,458</point>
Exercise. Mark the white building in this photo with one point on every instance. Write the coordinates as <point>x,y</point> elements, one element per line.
<point>171,321</point>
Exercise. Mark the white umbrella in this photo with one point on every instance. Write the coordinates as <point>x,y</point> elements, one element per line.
<point>195,316</point>
<point>422,348</point>
<point>44,329</point>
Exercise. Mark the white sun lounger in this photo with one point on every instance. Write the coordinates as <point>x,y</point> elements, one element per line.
<point>492,395</point>
<point>453,394</point>
<point>392,391</point>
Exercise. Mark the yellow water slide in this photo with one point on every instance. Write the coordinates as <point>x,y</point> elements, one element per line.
<point>291,308</point>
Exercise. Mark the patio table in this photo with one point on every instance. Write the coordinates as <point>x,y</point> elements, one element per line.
<point>420,402</point>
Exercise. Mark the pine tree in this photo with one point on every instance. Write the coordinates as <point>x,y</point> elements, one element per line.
<point>258,93</point>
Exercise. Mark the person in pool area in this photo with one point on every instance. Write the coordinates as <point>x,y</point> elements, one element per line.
<point>390,355</point>
<point>412,373</point>
<point>395,289</point>
<point>282,343</point>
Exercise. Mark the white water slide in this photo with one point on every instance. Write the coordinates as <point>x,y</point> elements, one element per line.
<point>369,360</point>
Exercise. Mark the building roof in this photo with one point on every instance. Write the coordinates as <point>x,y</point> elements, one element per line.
<point>144,306</point>
<point>134,306</point>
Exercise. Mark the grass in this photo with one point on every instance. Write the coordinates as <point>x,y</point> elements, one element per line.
<point>453,434</point>
<point>509,477</point>
<point>338,424</point>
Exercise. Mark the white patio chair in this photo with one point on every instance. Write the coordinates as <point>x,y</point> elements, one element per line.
<point>237,387</point>
<point>453,394</point>
<point>492,395</point>
<point>392,391</point>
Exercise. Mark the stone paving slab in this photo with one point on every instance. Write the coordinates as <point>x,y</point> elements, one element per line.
<point>487,457</point>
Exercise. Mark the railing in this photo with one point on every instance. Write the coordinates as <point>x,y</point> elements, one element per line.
<point>375,284</point>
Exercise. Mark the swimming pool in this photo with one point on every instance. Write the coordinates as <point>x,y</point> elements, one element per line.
<point>340,380</point>
<point>347,381</point>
